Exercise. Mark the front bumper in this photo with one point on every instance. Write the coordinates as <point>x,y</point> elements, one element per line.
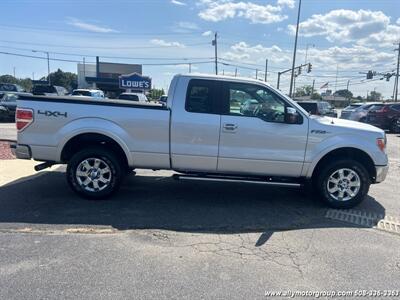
<point>21,151</point>
<point>381,172</point>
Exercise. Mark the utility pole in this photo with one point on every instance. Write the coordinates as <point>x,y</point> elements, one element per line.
<point>348,83</point>
<point>235,72</point>
<point>312,89</point>
<point>294,50</point>
<point>190,68</point>
<point>48,68</point>
<point>266,70</point>
<point>214,43</point>
<point>256,73</point>
<point>396,82</point>
<point>279,79</point>
<point>14,71</point>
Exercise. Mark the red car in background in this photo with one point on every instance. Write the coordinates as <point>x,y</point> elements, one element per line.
<point>384,116</point>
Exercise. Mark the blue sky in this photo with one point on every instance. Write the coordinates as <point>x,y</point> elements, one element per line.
<point>343,36</point>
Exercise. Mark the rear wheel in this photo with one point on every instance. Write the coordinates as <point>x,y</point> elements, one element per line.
<point>94,173</point>
<point>395,126</point>
<point>343,183</point>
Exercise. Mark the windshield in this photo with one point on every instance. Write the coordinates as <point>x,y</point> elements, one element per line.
<point>129,97</point>
<point>43,89</point>
<point>352,106</point>
<point>81,93</point>
<point>376,107</point>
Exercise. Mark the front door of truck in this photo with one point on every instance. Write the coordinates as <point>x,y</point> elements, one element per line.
<point>255,135</point>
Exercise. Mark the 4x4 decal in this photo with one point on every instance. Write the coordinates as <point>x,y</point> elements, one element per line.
<point>49,113</point>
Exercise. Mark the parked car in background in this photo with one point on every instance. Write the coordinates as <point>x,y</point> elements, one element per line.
<point>384,116</point>
<point>3,113</point>
<point>10,87</point>
<point>8,100</point>
<point>96,94</point>
<point>319,108</point>
<point>396,127</point>
<point>163,99</point>
<point>138,97</point>
<point>357,111</point>
<point>346,112</point>
<point>49,90</point>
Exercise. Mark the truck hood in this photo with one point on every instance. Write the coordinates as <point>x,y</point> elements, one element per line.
<point>335,124</point>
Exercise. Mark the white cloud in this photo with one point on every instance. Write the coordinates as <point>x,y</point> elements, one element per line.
<point>89,27</point>
<point>362,27</point>
<point>288,3</point>
<point>398,21</point>
<point>207,33</point>
<point>219,10</point>
<point>167,44</point>
<point>188,25</point>
<point>180,3</point>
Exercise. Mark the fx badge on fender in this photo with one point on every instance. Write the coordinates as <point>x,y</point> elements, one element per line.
<point>319,131</point>
<point>49,113</point>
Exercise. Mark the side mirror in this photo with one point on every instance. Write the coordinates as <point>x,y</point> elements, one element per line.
<point>292,116</point>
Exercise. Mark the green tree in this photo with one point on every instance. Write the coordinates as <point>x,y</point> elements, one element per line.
<point>154,94</point>
<point>316,96</point>
<point>344,93</point>
<point>66,79</point>
<point>374,96</point>
<point>25,83</point>
<point>303,91</point>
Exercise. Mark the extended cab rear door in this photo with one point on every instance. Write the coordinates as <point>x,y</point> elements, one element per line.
<point>195,125</point>
<point>258,140</point>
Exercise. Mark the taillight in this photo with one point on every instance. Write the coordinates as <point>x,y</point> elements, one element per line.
<point>23,117</point>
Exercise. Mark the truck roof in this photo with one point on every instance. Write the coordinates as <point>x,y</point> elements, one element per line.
<point>223,77</point>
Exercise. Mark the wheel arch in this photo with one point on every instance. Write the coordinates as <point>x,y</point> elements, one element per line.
<point>85,139</point>
<point>348,153</point>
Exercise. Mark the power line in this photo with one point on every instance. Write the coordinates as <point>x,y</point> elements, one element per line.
<point>105,56</point>
<point>78,61</point>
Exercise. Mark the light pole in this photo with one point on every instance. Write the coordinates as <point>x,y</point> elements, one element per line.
<point>48,64</point>
<point>294,50</point>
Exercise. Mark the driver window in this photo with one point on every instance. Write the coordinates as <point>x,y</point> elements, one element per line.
<point>255,101</point>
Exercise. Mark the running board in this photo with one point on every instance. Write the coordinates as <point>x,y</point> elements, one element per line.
<point>236,179</point>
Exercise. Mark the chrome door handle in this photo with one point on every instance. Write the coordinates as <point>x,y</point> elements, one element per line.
<point>230,127</point>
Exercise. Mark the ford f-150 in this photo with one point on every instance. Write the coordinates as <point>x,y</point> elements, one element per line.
<point>203,133</point>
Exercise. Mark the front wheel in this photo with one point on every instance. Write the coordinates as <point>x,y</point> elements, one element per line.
<point>94,173</point>
<point>343,183</point>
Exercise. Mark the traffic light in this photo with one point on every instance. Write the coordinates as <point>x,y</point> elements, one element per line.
<point>309,68</point>
<point>299,72</point>
<point>370,75</point>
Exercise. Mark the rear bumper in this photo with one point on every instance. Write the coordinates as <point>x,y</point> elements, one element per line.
<point>381,172</point>
<point>21,151</point>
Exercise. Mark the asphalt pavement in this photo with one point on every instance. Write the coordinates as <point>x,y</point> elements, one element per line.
<point>165,239</point>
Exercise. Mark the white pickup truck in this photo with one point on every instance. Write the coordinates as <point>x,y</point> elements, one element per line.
<point>211,128</point>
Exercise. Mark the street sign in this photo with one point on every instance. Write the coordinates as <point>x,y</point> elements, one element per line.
<point>134,81</point>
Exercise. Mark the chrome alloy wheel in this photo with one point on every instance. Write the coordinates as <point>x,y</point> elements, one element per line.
<point>343,184</point>
<point>93,174</point>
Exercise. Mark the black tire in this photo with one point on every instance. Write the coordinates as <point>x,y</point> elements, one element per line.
<point>115,174</point>
<point>334,200</point>
<point>394,128</point>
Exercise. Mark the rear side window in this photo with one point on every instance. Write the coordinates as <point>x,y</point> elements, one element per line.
<point>309,107</point>
<point>396,107</point>
<point>200,97</point>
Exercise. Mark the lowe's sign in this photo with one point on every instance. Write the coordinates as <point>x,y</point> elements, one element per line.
<point>134,81</point>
